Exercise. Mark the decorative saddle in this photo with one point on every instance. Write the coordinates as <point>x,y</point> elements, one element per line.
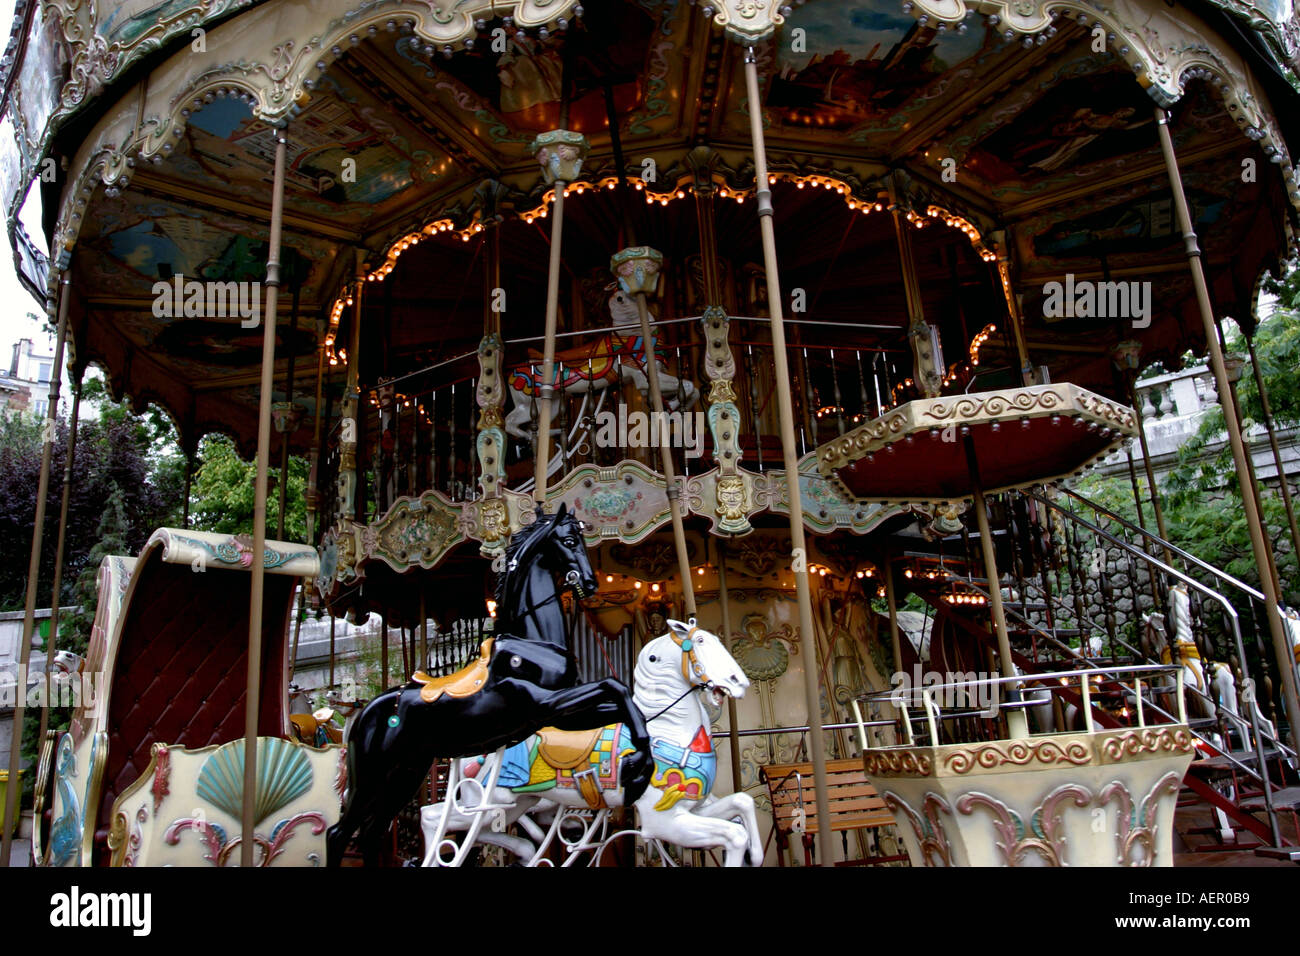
<point>463,683</point>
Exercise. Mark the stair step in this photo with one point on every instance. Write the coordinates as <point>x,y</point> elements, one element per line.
<point>1288,853</point>
<point>1217,764</point>
<point>1287,798</point>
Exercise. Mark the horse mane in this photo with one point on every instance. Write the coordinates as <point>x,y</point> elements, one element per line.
<point>521,544</point>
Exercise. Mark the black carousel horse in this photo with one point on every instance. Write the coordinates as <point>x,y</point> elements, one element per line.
<point>523,680</point>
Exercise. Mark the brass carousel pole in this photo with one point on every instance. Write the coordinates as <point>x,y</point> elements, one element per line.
<point>1254,522</point>
<point>252,704</point>
<point>33,575</point>
<point>560,153</point>
<point>318,423</point>
<point>637,271</point>
<point>1017,722</point>
<point>724,602</point>
<point>785,408</point>
<point>57,585</point>
<point>891,599</point>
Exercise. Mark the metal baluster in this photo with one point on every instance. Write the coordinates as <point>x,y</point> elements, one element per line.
<point>681,407</point>
<point>562,446</point>
<point>875,381</point>
<point>451,457</point>
<point>839,399</point>
<point>753,405</point>
<point>1077,581</point>
<point>471,484</point>
<point>433,439</point>
<point>810,397</point>
<point>1107,593</point>
<point>862,389</point>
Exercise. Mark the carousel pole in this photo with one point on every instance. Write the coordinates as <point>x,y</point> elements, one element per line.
<point>560,153</point>
<point>1002,249</point>
<point>290,425</point>
<point>1125,357</point>
<point>288,422</point>
<point>637,271</point>
<point>33,576</point>
<point>891,599</point>
<point>785,408</point>
<point>424,632</point>
<point>318,423</point>
<point>724,602</point>
<point>1254,522</point>
<point>252,704</point>
<point>189,480</point>
<point>1147,466</point>
<point>1017,722</point>
<point>1272,440</point>
<point>29,618</point>
<point>58,555</point>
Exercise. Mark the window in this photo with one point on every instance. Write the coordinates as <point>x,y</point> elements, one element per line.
<point>44,374</point>
<point>41,408</point>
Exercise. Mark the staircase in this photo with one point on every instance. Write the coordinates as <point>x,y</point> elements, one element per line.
<point>1077,581</point>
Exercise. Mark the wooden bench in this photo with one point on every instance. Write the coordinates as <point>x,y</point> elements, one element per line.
<point>853,804</point>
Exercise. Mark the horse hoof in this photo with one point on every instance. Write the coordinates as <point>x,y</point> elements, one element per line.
<point>636,775</point>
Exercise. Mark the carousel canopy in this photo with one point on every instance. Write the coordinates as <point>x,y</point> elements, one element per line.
<point>1015,135</point>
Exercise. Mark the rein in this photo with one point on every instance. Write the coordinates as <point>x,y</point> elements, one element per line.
<point>679,699</point>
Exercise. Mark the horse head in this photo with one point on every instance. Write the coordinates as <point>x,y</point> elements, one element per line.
<point>687,657</point>
<point>553,543</point>
<point>1154,636</point>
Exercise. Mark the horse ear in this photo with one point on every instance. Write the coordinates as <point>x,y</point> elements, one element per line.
<point>562,510</point>
<point>678,627</point>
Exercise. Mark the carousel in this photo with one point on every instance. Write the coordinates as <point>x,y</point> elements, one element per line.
<point>721,367</point>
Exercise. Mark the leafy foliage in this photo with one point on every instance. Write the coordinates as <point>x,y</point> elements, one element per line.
<point>113,456</point>
<point>223,492</point>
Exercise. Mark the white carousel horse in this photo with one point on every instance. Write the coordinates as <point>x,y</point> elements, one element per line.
<point>1215,687</point>
<point>613,358</point>
<point>557,772</point>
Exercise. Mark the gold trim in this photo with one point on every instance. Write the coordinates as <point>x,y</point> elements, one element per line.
<point>1152,740</point>
<point>49,750</point>
<point>1020,753</point>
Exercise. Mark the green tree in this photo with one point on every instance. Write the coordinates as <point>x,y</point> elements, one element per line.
<point>222,495</point>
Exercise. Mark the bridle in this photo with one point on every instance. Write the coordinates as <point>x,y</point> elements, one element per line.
<point>572,579</point>
<point>691,667</point>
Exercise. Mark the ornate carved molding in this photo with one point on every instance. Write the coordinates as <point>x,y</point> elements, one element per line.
<point>414,531</point>
<point>1018,753</point>
<point>928,828</point>
<point>1151,740</point>
<point>748,21</point>
<point>1164,47</point>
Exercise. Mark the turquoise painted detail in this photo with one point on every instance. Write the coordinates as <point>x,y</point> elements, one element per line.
<point>66,832</point>
<point>283,774</point>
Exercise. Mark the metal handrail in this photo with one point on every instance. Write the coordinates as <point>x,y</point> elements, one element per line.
<point>1185,555</point>
<point>1085,678</point>
<point>1248,683</point>
<point>1158,709</point>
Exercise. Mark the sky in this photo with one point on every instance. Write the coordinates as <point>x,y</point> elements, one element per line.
<point>16,301</point>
